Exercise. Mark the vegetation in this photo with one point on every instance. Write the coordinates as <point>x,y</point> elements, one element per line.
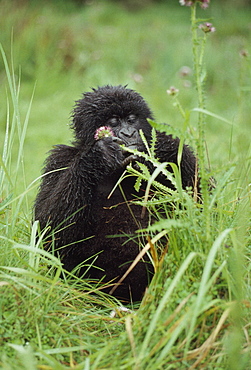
<point>196,313</point>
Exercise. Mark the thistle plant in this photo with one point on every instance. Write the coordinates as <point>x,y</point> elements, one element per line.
<point>200,32</point>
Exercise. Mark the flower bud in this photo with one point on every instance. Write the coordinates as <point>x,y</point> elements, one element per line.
<point>103,131</point>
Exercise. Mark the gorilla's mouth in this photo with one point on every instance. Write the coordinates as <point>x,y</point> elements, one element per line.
<point>133,144</point>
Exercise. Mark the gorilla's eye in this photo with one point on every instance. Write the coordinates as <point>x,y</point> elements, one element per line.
<point>131,119</point>
<point>113,121</point>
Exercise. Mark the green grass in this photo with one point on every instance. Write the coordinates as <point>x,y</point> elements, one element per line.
<point>196,313</point>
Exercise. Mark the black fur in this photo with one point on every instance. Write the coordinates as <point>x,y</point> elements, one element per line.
<point>73,199</point>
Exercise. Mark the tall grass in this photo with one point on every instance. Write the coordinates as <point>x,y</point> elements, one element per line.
<point>35,303</point>
<point>13,203</point>
<point>196,312</point>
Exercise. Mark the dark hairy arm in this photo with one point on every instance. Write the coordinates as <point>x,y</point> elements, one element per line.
<point>71,176</point>
<point>167,149</point>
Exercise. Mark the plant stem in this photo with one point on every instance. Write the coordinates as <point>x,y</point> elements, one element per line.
<point>198,54</point>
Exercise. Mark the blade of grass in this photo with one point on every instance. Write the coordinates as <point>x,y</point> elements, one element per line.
<point>146,342</point>
<point>204,284</point>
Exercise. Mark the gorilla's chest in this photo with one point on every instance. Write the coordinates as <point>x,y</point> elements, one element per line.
<point>116,213</point>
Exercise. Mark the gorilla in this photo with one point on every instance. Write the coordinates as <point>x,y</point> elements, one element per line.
<point>89,226</point>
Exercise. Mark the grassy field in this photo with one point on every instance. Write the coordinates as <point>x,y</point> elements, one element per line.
<point>196,313</point>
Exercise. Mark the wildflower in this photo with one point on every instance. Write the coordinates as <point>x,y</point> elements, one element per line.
<point>185,71</point>
<point>186,2</point>
<point>203,3</point>
<point>103,131</point>
<point>207,27</point>
<point>137,77</point>
<point>187,84</point>
<point>172,91</point>
<point>244,53</point>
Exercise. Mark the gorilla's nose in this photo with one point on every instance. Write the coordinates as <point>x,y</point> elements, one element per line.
<point>128,132</point>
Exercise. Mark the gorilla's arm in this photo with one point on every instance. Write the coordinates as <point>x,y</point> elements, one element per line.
<point>167,151</point>
<point>72,186</point>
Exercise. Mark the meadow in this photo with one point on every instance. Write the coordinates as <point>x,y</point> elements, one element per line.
<point>196,312</point>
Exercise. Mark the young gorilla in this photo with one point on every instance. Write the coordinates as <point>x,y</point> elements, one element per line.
<point>73,199</point>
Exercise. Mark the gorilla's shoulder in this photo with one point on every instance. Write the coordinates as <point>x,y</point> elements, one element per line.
<point>60,156</point>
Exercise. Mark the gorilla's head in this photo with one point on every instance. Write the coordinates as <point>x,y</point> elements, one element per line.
<point>123,109</point>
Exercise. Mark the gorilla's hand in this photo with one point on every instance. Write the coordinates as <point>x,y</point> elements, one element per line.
<point>112,154</point>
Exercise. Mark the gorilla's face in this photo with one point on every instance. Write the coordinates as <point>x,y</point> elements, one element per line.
<point>124,110</point>
<point>127,130</point>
